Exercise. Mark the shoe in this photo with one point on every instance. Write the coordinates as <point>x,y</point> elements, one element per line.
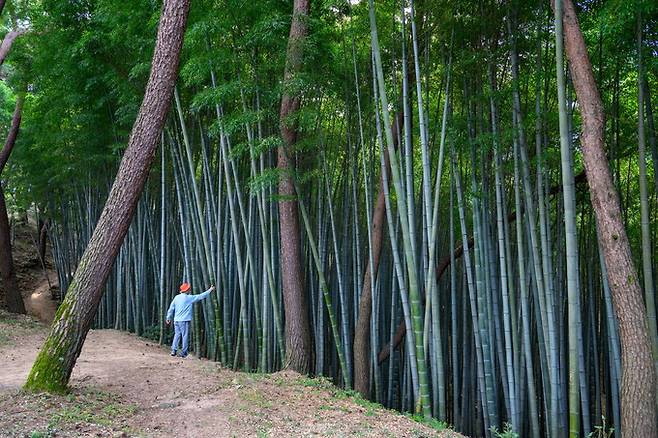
<point>173,353</point>
<point>183,356</point>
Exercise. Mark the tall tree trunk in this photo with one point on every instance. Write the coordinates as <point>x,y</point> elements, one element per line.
<point>297,330</point>
<point>638,382</point>
<point>8,284</point>
<point>52,369</point>
<point>362,353</point>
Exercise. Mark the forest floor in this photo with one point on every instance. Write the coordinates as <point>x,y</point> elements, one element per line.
<point>124,385</point>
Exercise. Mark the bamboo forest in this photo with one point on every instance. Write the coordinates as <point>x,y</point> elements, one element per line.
<point>444,208</point>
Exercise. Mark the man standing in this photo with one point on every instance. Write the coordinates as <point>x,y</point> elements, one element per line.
<point>181,310</point>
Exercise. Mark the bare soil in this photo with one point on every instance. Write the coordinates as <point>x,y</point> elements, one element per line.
<point>124,385</point>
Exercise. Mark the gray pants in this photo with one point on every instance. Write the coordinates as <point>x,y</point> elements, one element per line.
<point>181,329</point>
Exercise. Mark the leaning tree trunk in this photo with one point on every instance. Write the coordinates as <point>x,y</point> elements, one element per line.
<point>298,329</point>
<point>638,380</point>
<point>8,284</point>
<point>13,132</point>
<point>55,362</point>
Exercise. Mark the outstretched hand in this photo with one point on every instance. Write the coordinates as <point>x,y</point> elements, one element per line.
<point>212,287</point>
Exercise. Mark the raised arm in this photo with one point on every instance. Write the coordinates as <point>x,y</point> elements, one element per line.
<point>203,295</point>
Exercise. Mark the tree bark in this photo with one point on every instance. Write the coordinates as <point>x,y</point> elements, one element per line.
<point>362,330</point>
<point>52,369</point>
<point>297,329</point>
<point>13,132</point>
<point>638,381</point>
<point>8,41</point>
<point>8,284</point>
<point>43,241</point>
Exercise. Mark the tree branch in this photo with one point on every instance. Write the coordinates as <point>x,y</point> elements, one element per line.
<point>13,132</point>
<point>8,41</point>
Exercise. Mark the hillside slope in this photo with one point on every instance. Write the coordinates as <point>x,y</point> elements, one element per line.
<point>127,386</point>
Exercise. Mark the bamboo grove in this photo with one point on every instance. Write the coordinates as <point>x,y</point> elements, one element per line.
<point>438,142</point>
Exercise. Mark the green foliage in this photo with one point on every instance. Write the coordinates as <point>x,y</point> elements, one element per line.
<point>431,422</point>
<point>602,430</point>
<point>316,382</point>
<point>507,432</point>
<point>152,333</point>
<point>7,103</point>
<point>86,64</point>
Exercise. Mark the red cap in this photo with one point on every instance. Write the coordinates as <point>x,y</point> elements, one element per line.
<point>184,287</point>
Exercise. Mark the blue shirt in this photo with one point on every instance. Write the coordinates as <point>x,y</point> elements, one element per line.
<point>181,306</point>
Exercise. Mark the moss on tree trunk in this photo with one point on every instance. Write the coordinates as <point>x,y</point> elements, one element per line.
<point>49,372</point>
<point>54,364</point>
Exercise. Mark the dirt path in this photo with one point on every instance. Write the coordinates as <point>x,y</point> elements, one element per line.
<point>31,275</point>
<point>39,302</point>
<point>123,385</point>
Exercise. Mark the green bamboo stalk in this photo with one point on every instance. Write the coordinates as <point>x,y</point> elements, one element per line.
<point>411,267</point>
<point>647,269</point>
<point>570,229</point>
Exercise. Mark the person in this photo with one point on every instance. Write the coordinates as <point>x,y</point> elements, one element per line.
<point>181,311</point>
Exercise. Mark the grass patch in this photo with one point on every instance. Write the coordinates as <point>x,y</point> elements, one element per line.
<point>264,430</point>
<point>12,325</point>
<point>86,410</point>
<point>371,407</point>
<point>255,397</point>
<point>244,379</point>
<point>91,407</point>
<point>315,382</point>
<point>433,423</point>
<point>5,339</point>
<point>18,321</point>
